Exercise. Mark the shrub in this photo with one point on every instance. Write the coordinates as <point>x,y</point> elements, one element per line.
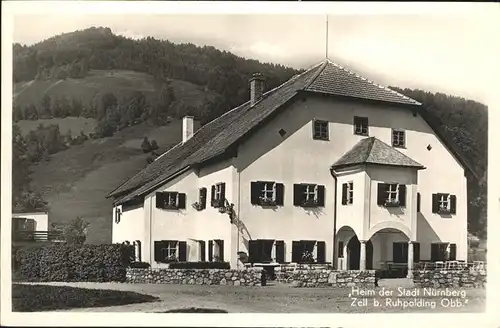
<point>31,298</point>
<point>199,265</point>
<point>140,265</point>
<point>67,263</point>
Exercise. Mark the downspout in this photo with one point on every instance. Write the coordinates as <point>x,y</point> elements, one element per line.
<point>151,242</point>
<point>237,219</point>
<point>335,257</point>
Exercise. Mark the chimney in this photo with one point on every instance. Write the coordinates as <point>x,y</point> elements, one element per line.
<point>187,128</point>
<point>256,88</point>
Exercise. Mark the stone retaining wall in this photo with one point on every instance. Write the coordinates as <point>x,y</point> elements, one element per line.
<point>247,277</point>
<point>443,279</point>
<point>332,278</point>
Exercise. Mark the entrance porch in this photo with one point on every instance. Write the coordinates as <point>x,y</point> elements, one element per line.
<point>389,251</point>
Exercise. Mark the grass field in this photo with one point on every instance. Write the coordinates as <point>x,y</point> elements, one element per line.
<point>75,124</point>
<point>76,181</point>
<point>35,298</point>
<point>120,82</point>
<point>273,299</point>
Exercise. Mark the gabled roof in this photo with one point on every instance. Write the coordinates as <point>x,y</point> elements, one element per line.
<point>218,136</point>
<point>374,151</point>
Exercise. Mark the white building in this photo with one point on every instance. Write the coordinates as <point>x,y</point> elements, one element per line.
<point>328,162</point>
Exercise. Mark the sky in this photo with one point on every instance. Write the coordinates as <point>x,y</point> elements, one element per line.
<point>450,53</point>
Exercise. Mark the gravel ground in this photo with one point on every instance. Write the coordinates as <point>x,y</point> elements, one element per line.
<point>277,299</point>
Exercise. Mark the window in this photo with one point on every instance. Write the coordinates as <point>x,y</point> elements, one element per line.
<point>170,251</point>
<point>201,204</point>
<point>398,138</point>
<point>170,200</point>
<point>439,252</point>
<point>261,250</point>
<point>216,250</point>
<point>308,251</point>
<point>320,130</point>
<point>400,252</point>
<point>347,193</point>
<point>340,250</point>
<point>267,193</point>
<point>391,195</point>
<point>361,125</point>
<point>118,215</point>
<point>309,195</point>
<point>418,202</point>
<point>218,194</point>
<point>444,203</point>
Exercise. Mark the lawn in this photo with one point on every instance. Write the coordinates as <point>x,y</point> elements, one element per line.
<point>34,298</point>
<point>271,299</point>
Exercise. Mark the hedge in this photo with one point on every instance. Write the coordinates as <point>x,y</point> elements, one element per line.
<point>99,263</point>
<point>199,265</point>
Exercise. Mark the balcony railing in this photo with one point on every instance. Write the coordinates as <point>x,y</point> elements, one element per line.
<point>52,236</point>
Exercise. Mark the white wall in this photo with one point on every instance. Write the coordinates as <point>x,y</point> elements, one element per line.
<point>297,158</point>
<point>41,219</point>
<point>131,227</point>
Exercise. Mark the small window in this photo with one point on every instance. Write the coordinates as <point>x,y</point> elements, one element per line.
<point>398,138</point>
<point>218,194</point>
<point>439,252</point>
<point>267,193</point>
<point>309,195</point>
<point>201,204</point>
<point>170,200</point>
<point>118,215</point>
<point>361,125</point>
<point>444,203</point>
<point>216,250</point>
<point>308,251</point>
<point>391,195</point>
<point>418,202</point>
<point>347,193</point>
<point>320,130</point>
<point>167,251</point>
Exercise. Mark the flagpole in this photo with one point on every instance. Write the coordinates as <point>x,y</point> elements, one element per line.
<point>326,43</point>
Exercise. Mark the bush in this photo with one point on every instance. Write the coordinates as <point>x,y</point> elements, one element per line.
<point>199,265</point>
<point>67,263</point>
<point>33,298</point>
<point>140,265</point>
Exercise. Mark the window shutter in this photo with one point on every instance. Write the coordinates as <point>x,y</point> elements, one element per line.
<point>220,243</point>
<point>203,197</point>
<point>344,194</point>
<point>160,200</point>
<point>453,252</point>
<point>416,252</point>
<point>453,204</point>
<point>297,194</point>
<point>158,246</point>
<point>418,202</point>
<point>181,200</point>
<point>381,193</point>
<point>321,252</point>
<point>435,203</point>
<point>434,252</point>
<point>296,251</point>
<point>255,189</point>
<point>280,251</point>
<point>252,251</point>
<point>321,196</point>
<point>280,194</point>
<point>202,251</point>
<point>212,197</point>
<point>402,195</point>
<point>182,251</point>
<point>223,192</point>
<point>210,250</point>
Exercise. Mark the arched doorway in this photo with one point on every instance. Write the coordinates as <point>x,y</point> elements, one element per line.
<point>354,251</point>
<point>391,251</point>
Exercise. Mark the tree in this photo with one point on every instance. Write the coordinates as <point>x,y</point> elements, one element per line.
<point>154,145</point>
<point>75,232</point>
<point>108,100</point>
<point>146,146</point>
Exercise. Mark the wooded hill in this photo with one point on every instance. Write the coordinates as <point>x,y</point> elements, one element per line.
<point>122,82</point>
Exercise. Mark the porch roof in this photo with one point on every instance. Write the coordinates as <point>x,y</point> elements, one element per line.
<point>374,151</point>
